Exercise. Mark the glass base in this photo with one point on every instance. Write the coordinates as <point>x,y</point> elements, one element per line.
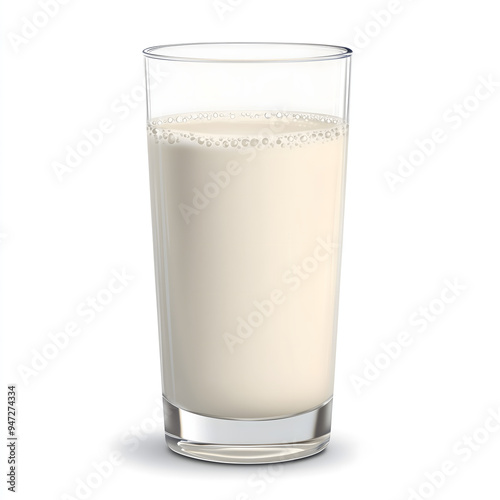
<point>236,441</point>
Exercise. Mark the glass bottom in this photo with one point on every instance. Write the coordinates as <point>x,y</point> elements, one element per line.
<point>235,441</point>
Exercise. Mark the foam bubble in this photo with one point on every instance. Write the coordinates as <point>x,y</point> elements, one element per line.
<point>250,130</point>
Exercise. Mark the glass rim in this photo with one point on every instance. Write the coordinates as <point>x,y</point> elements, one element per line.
<point>319,52</point>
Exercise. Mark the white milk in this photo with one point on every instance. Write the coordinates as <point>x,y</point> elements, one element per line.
<point>247,212</point>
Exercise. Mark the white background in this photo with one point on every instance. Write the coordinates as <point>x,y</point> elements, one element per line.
<point>60,242</point>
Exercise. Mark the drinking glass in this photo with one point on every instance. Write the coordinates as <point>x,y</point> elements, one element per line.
<point>247,151</point>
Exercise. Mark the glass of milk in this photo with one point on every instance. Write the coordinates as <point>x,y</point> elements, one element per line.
<point>247,153</point>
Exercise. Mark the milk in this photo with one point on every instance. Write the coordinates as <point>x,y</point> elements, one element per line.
<point>247,211</point>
